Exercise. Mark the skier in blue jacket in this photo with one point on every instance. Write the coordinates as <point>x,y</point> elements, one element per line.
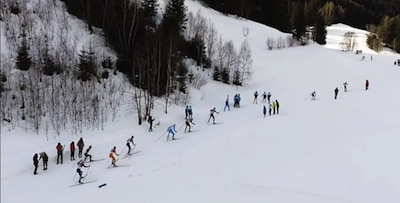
<point>171,130</point>
<point>264,111</point>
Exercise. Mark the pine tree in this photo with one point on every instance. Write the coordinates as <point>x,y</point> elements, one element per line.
<point>87,65</point>
<point>320,29</point>
<point>297,19</point>
<point>236,79</point>
<point>225,75</point>
<point>217,74</point>
<point>24,62</point>
<point>149,13</point>
<point>175,17</point>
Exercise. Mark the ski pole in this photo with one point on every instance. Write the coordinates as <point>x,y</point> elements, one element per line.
<point>161,136</point>
<point>74,176</point>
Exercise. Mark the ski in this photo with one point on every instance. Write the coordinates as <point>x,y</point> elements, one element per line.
<point>94,160</point>
<point>117,166</point>
<point>129,155</point>
<point>86,182</point>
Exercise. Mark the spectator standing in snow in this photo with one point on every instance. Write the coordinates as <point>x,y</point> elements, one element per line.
<point>345,86</point>
<point>60,150</point>
<point>212,111</point>
<point>269,97</point>
<point>274,107</point>
<point>113,155</point>
<point>80,144</point>
<point>171,130</point>
<point>313,94</point>
<point>366,84</point>
<point>190,111</point>
<point>150,120</point>
<point>270,109</point>
<point>336,92</point>
<point>264,111</point>
<point>45,159</point>
<point>87,155</point>
<point>72,149</point>
<point>128,141</point>
<point>277,106</point>
<point>188,122</point>
<point>264,97</point>
<point>81,164</point>
<point>186,112</point>
<point>255,97</point>
<point>35,163</point>
<point>227,103</point>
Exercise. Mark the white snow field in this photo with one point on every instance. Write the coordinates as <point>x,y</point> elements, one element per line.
<point>323,151</point>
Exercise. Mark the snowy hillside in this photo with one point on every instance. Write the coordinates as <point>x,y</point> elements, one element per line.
<point>322,151</point>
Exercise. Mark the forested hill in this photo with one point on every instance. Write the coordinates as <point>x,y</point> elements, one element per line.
<point>357,13</point>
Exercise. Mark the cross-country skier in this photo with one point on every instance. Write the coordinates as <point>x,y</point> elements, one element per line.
<point>212,111</point>
<point>188,122</point>
<point>60,150</point>
<point>313,94</point>
<point>264,111</point>
<point>171,130</point>
<point>81,164</point>
<point>45,159</point>
<point>255,97</point>
<point>80,145</point>
<point>128,141</point>
<point>274,107</point>
<point>336,92</point>
<point>35,163</point>
<point>366,84</point>
<point>227,103</point>
<point>150,120</point>
<point>345,86</point>
<point>72,149</point>
<point>264,97</point>
<point>270,109</point>
<point>113,154</point>
<point>87,155</point>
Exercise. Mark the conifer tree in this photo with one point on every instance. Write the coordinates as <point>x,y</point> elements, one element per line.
<point>320,30</point>
<point>24,61</point>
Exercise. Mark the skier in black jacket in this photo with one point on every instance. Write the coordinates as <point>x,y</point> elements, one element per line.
<point>35,163</point>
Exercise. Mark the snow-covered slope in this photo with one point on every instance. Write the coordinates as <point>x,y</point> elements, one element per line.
<point>321,151</point>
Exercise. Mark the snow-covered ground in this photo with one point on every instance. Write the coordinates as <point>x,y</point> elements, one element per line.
<point>322,151</point>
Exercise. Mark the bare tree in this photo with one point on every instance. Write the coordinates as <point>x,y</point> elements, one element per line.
<point>349,41</point>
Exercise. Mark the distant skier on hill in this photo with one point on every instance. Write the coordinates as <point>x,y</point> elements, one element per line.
<point>72,149</point>
<point>186,112</point>
<point>45,159</point>
<point>130,140</point>
<point>270,109</point>
<point>81,164</point>
<point>336,92</point>
<point>255,97</point>
<point>366,84</point>
<point>113,155</point>
<point>87,155</point>
<point>313,94</point>
<point>60,150</point>
<point>80,145</point>
<point>190,111</point>
<point>171,130</point>
<point>188,122</point>
<point>212,111</point>
<point>345,86</point>
<point>269,97</point>
<point>150,121</point>
<point>274,107</point>
<point>227,103</point>
<point>35,163</point>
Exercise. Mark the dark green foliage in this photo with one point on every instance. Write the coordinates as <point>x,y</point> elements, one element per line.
<point>175,17</point>
<point>49,66</point>
<point>236,77</point>
<point>320,30</point>
<point>225,78</point>
<point>87,65</point>
<point>217,74</point>
<point>105,74</point>
<point>182,77</point>
<point>24,62</point>
<point>297,19</point>
<point>3,79</point>
<point>14,8</point>
<point>196,50</point>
